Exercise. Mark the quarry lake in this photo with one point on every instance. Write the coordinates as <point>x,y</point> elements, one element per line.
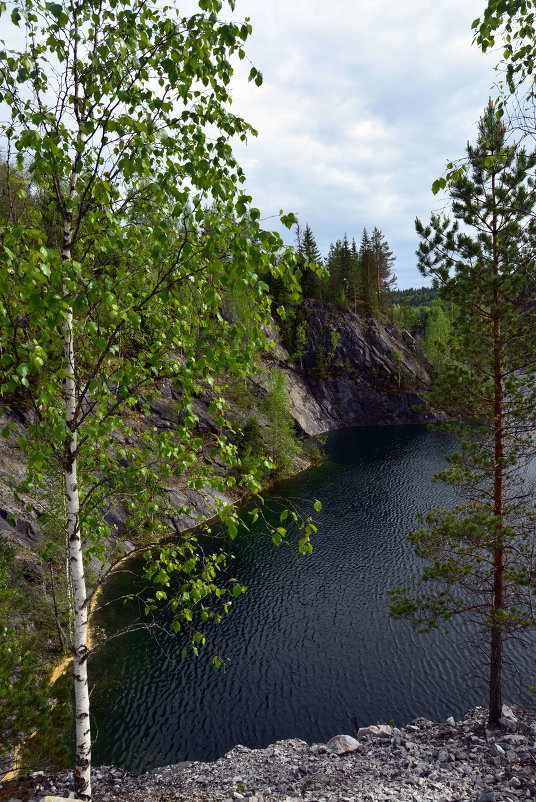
<point>310,647</point>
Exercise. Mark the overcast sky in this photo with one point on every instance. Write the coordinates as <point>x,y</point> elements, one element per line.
<point>363,103</point>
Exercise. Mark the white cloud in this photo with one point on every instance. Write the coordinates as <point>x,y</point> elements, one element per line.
<point>363,103</point>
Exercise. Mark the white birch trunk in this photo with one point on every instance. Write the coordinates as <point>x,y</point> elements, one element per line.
<point>82,779</point>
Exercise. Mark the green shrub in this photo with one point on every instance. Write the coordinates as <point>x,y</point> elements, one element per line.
<point>250,445</point>
<point>279,434</point>
<point>26,702</point>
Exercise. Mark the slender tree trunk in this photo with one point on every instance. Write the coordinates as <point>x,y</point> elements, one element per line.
<point>62,640</point>
<point>82,779</point>
<point>495,679</point>
<point>496,653</point>
<point>378,282</point>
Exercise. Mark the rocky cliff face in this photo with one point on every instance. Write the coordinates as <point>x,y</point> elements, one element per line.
<point>351,371</point>
<point>354,371</point>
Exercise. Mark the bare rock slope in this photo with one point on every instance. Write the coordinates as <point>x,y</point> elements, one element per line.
<point>355,371</point>
<point>462,761</point>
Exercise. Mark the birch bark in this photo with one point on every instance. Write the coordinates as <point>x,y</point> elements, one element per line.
<point>77,579</point>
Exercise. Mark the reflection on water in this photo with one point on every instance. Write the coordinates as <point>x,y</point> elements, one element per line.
<point>311,645</point>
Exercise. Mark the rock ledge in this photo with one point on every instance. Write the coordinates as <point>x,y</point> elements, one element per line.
<point>462,761</point>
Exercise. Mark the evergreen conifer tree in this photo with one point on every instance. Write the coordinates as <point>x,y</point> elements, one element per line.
<point>480,553</point>
<point>384,260</point>
<point>307,247</point>
<point>339,264</point>
<point>367,268</point>
<point>353,277</point>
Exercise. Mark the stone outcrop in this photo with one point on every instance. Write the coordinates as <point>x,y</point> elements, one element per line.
<point>19,521</point>
<point>422,762</point>
<point>354,371</point>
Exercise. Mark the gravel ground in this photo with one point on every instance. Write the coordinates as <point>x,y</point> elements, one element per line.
<point>460,761</point>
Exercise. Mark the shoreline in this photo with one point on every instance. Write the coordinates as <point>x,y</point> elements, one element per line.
<point>425,761</point>
<point>64,663</point>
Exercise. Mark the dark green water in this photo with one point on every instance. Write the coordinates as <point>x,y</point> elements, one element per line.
<point>310,645</point>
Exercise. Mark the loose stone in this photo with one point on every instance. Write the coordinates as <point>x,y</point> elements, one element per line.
<point>423,762</point>
<point>342,744</point>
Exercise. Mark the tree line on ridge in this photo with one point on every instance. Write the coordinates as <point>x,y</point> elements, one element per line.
<point>359,277</point>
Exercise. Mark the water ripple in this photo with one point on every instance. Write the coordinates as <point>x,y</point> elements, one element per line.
<point>311,645</point>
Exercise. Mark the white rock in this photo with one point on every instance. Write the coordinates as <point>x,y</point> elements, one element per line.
<point>342,744</point>
<point>385,731</point>
<point>451,721</point>
<point>515,738</point>
<point>376,731</point>
<point>56,798</point>
<point>507,712</point>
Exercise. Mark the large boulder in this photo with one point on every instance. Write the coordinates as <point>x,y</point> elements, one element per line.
<point>342,744</point>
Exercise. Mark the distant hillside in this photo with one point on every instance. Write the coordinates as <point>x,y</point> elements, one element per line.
<point>414,297</point>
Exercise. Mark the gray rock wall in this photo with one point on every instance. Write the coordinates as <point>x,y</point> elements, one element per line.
<point>355,371</point>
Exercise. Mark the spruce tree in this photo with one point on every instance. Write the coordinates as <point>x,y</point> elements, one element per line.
<point>384,260</point>
<point>307,247</point>
<point>480,554</point>
<point>353,277</point>
<point>339,264</point>
<point>345,270</point>
<point>368,292</point>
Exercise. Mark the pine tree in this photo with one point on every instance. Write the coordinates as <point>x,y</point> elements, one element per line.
<point>480,553</point>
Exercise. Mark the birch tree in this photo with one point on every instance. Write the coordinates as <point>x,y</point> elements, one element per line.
<point>508,27</point>
<point>510,24</point>
<point>119,114</point>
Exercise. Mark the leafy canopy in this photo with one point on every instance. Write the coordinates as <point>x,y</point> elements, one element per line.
<point>134,230</point>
